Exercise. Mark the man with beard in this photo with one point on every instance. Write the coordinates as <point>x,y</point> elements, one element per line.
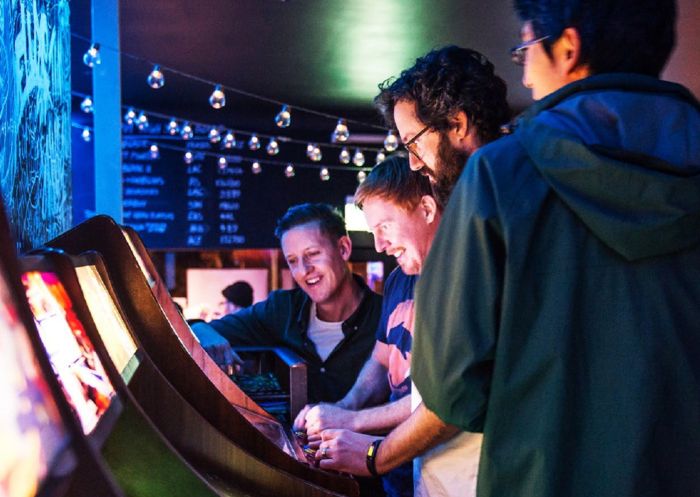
<point>444,107</point>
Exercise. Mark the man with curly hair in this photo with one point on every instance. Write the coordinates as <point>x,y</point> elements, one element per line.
<point>445,107</point>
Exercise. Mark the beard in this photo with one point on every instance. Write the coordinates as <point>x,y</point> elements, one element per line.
<point>449,166</point>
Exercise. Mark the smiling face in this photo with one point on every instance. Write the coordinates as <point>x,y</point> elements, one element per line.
<point>438,155</point>
<point>318,264</point>
<point>404,234</point>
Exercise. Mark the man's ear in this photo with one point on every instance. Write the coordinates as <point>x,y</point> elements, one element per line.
<point>568,53</point>
<point>345,247</point>
<point>429,208</point>
<point>460,124</point>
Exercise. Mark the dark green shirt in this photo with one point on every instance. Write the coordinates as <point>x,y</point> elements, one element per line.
<point>283,319</point>
<point>558,311</point>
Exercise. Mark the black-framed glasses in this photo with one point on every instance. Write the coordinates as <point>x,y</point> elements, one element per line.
<point>411,144</point>
<point>517,53</point>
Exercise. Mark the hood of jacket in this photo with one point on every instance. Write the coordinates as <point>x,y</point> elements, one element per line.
<point>623,152</point>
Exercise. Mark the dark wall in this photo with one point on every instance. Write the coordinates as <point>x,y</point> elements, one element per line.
<point>35,118</point>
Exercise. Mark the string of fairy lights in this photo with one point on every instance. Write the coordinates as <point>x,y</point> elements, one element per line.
<point>164,129</point>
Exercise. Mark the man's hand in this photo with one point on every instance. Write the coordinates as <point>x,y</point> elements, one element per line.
<point>345,451</point>
<point>217,347</point>
<point>300,421</point>
<point>324,416</point>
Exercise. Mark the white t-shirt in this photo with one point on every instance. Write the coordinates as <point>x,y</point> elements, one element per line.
<point>325,335</point>
<point>450,469</point>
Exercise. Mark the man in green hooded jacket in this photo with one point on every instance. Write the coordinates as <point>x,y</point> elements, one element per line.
<point>566,269</point>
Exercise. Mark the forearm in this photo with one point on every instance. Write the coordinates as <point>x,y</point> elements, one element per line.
<point>382,419</point>
<point>422,431</point>
<point>371,387</point>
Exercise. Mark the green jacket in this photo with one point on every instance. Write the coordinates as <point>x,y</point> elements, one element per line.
<point>567,272</point>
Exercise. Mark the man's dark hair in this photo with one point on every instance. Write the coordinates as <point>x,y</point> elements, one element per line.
<point>445,81</point>
<point>635,36</point>
<point>392,180</point>
<point>330,221</point>
<point>240,294</point>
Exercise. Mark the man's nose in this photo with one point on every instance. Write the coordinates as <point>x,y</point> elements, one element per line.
<point>415,163</point>
<point>379,244</point>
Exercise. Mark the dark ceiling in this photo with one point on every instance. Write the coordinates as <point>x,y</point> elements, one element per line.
<point>327,55</point>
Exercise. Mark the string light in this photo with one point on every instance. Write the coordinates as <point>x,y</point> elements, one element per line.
<point>187,133</point>
<point>229,140</point>
<point>344,156</point>
<point>359,158</point>
<point>313,152</point>
<point>391,142</point>
<point>173,128</point>
<point>130,116</point>
<point>217,99</point>
<point>142,121</point>
<point>289,171</point>
<point>156,79</point>
<point>91,57</point>
<point>86,105</point>
<point>222,162</point>
<point>361,176</point>
<point>381,157</point>
<point>284,118</point>
<point>255,167</point>
<point>341,133</point>
<point>188,157</point>
<point>254,142</point>
<point>273,148</point>
<point>86,135</point>
<point>154,152</point>
<point>214,136</point>
<point>324,174</point>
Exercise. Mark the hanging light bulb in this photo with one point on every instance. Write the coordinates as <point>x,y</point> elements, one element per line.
<point>341,133</point>
<point>156,79</point>
<point>153,150</point>
<point>316,154</point>
<point>391,142</point>
<point>361,176</point>
<point>359,158</point>
<point>91,57</point>
<point>86,105</point>
<point>273,148</point>
<point>344,156</point>
<point>86,135</point>
<point>186,133</point>
<point>309,150</point>
<point>284,118</point>
<point>254,142</point>
<point>214,135</point>
<point>188,157</point>
<point>255,167</point>
<point>381,157</point>
<point>142,121</point>
<point>130,116</point>
<point>289,171</point>
<point>324,174</point>
<point>217,99</point>
<point>173,128</point>
<point>229,140</point>
<point>222,162</point>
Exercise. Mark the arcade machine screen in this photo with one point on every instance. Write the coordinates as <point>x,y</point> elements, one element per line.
<point>32,434</point>
<point>110,325</point>
<point>71,353</point>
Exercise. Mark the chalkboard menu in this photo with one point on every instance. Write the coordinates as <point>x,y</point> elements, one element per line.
<point>202,204</point>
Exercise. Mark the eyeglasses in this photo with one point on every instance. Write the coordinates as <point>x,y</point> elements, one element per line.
<point>517,53</point>
<point>411,144</point>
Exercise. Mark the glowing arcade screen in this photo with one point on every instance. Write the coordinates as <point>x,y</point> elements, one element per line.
<point>31,431</point>
<point>72,354</point>
<point>110,325</point>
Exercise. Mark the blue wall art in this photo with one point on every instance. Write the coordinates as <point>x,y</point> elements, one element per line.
<point>35,118</point>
